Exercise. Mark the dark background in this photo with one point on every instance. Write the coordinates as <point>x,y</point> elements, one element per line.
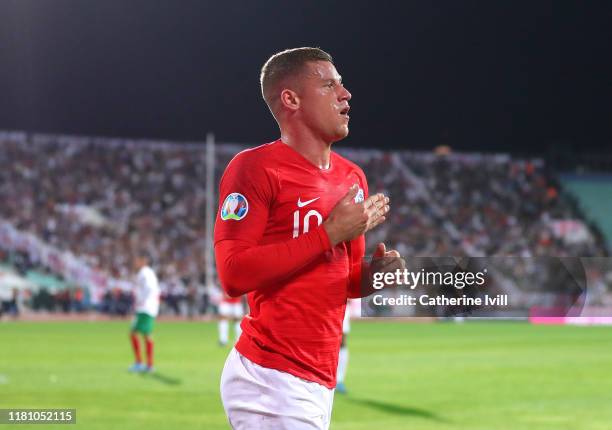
<point>528,77</point>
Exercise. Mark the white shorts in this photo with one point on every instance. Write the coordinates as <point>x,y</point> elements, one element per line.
<point>346,322</point>
<point>256,397</point>
<point>231,310</point>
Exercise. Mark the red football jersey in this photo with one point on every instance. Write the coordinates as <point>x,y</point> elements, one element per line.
<point>273,195</point>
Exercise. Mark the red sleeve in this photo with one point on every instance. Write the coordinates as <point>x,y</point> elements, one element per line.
<point>357,252</point>
<point>247,191</point>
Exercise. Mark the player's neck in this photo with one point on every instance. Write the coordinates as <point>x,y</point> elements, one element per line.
<point>315,150</point>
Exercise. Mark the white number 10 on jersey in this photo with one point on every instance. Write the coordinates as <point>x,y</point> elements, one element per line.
<point>296,221</point>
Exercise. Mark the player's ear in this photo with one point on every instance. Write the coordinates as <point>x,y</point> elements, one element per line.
<point>289,99</point>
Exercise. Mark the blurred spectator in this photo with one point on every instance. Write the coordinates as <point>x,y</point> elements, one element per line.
<point>78,300</point>
<point>11,306</point>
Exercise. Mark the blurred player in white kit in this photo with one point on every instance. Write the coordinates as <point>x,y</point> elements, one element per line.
<point>146,296</point>
<point>230,309</point>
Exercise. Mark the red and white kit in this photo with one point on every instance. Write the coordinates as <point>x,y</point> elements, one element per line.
<point>270,242</point>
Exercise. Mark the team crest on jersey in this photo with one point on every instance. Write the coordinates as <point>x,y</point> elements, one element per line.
<point>234,207</point>
<point>359,196</point>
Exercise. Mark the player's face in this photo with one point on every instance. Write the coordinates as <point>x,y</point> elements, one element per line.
<point>324,101</point>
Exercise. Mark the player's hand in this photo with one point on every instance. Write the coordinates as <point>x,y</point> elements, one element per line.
<point>349,220</point>
<point>383,261</point>
<point>386,261</point>
<point>377,206</point>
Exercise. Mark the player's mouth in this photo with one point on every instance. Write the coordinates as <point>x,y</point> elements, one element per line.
<point>344,112</point>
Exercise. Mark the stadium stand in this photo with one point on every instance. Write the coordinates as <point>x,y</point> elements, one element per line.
<point>592,193</point>
<point>76,208</point>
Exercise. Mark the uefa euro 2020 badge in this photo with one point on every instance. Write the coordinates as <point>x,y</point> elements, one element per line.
<point>234,207</point>
<point>359,196</point>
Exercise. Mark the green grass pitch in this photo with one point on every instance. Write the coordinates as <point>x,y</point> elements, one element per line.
<point>401,376</point>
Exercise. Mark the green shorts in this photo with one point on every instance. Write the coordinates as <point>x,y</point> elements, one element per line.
<point>143,323</point>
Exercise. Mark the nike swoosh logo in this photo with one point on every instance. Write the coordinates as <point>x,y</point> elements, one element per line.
<point>301,204</point>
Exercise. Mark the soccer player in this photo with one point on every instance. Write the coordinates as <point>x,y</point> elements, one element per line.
<point>146,296</point>
<point>290,234</point>
<point>230,309</point>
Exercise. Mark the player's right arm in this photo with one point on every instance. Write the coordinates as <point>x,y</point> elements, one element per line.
<point>243,264</point>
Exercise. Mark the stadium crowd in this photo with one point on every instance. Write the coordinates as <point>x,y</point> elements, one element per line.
<point>102,199</point>
<point>105,201</point>
<point>475,205</point>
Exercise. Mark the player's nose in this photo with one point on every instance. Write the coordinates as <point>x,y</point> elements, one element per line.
<point>345,94</point>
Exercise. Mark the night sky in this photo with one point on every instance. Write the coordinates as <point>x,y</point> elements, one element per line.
<point>491,75</point>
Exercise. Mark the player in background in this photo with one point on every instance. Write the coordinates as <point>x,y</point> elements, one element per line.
<point>343,356</point>
<point>290,234</point>
<point>146,297</point>
<point>230,309</point>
